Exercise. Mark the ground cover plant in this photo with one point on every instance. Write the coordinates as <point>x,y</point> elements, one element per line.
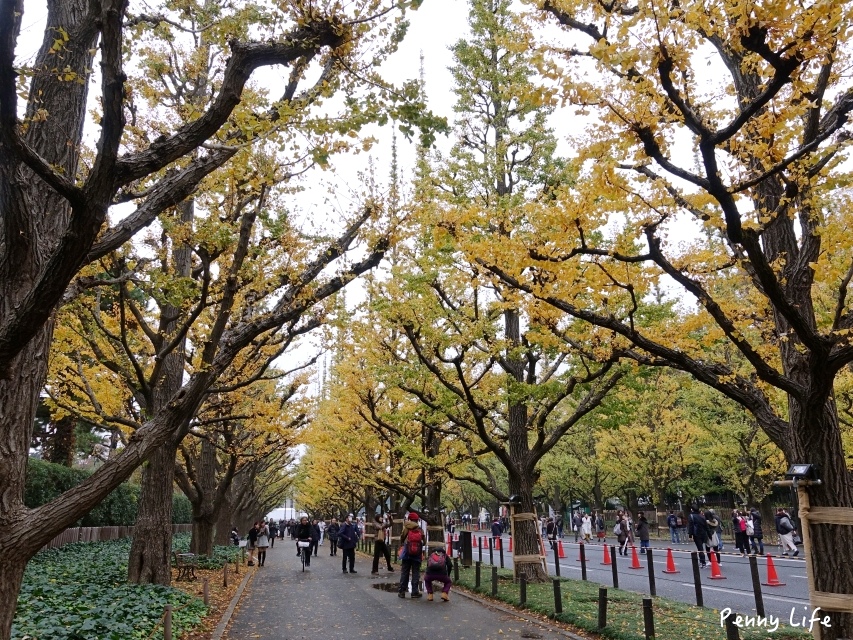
<point>81,592</point>
<point>673,620</point>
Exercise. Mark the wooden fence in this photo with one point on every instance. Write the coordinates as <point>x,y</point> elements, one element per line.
<point>100,534</point>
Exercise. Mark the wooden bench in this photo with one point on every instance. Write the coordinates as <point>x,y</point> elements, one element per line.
<point>186,564</point>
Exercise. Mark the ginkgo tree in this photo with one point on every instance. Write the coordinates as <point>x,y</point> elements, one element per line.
<point>55,197</point>
<point>732,120</point>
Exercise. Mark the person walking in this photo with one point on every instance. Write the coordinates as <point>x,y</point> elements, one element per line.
<point>497,531</point>
<point>621,531</point>
<point>551,533</point>
<point>438,570</point>
<point>576,524</point>
<point>754,532</point>
<point>601,528</point>
<point>714,541</point>
<point>785,529</point>
<point>643,530</point>
<point>251,540</point>
<point>739,528</point>
<point>380,547</point>
<point>347,542</point>
<point>273,529</point>
<point>263,543</point>
<point>672,523</point>
<point>586,527</point>
<point>412,542</point>
<point>315,537</point>
<point>235,537</point>
<point>697,530</point>
<point>332,533</point>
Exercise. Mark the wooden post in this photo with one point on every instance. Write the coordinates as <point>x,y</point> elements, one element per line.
<point>494,580</point>
<point>697,578</point>
<point>167,623</point>
<point>522,591</point>
<point>732,632</point>
<point>583,561</point>
<point>477,566</point>
<point>602,607</point>
<point>613,567</point>
<point>225,574</point>
<point>205,589</point>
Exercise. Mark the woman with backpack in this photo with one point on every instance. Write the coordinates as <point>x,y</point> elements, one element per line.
<point>739,528</point>
<point>412,541</point>
<point>438,570</point>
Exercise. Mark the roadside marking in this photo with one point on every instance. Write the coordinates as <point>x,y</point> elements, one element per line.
<point>766,597</point>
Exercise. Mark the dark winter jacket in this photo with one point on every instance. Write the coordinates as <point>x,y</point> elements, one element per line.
<point>315,532</point>
<point>697,528</point>
<point>756,524</point>
<point>348,536</point>
<point>332,531</point>
<point>304,531</point>
<point>783,524</point>
<point>643,528</point>
<point>497,529</point>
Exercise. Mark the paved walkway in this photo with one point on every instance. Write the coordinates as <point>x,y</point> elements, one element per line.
<point>283,603</point>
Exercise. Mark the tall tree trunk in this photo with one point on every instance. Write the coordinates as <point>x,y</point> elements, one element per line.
<point>204,502</point>
<point>28,234</point>
<point>225,519</point>
<point>62,443</point>
<point>150,550</point>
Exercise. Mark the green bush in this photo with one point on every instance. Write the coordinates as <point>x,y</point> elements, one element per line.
<point>46,481</point>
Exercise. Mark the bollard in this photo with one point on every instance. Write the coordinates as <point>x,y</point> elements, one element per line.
<point>494,581</point>
<point>613,567</point>
<point>491,551</point>
<point>556,561</point>
<point>756,586</point>
<point>522,591</point>
<point>583,562</point>
<point>558,597</point>
<point>205,590</point>
<point>456,569</point>
<point>652,590</point>
<point>697,578</point>
<point>732,632</point>
<point>602,607</point>
<point>501,550</point>
<point>648,619</point>
<point>167,623</point>
<point>225,575</point>
<point>480,549</point>
<point>236,567</point>
<point>477,575</point>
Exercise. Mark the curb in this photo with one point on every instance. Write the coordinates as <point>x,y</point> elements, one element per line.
<point>518,613</point>
<point>226,617</point>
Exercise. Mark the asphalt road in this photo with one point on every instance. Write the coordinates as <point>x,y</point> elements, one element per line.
<point>735,591</point>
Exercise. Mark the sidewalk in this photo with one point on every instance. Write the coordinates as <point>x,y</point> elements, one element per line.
<point>283,603</point>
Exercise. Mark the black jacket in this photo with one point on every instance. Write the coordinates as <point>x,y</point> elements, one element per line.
<point>304,531</point>
<point>332,531</point>
<point>697,527</point>
<point>756,524</point>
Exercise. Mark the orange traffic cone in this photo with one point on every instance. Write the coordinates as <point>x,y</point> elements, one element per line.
<point>670,563</point>
<point>772,578</point>
<point>474,542</point>
<point>716,574</point>
<point>510,544</point>
<point>560,552</point>
<point>497,544</point>
<point>635,559</point>
<point>606,555</point>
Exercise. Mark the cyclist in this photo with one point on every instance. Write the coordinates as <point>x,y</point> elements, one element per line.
<point>303,535</point>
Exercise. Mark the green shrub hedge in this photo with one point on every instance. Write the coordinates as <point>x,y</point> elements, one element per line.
<point>46,481</point>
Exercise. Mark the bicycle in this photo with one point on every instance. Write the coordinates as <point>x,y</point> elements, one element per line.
<point>304,547</point>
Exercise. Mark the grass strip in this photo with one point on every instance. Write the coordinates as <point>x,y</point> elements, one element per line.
<point>673,620</point>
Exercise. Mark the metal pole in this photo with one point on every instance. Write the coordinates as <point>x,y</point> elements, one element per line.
<point>556,561</point>
<point>522,590</point>
<point>602,607</point>
<point>501,550</point>
<point>583,562</point>
<point>456,569</point>
<point>652,589</point>
<point>613,567</point>
<point>477,574</point>
<point>697,578</point>
<point>558,597</point>
<point>732,632</point>
<point>494,580</point>
<point>491,550</point>
<point>648,619</point>
<point>756,585</point>
<point>225,575</point>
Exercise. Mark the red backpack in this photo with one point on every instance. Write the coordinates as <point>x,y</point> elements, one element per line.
<point>414,544</point>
